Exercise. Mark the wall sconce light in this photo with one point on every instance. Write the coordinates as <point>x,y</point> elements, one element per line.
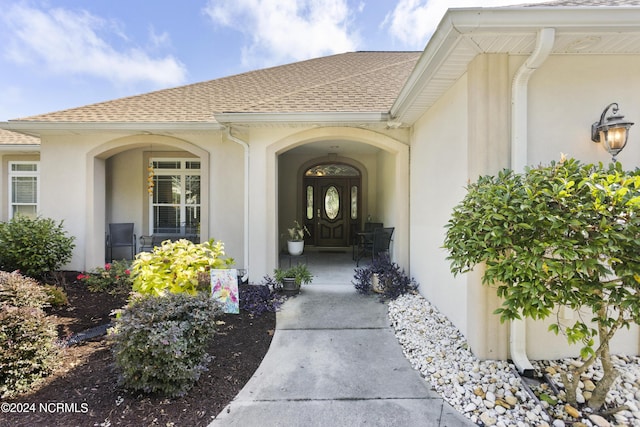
<point>612,131</point>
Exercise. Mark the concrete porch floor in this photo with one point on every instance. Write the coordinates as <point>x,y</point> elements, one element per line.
<point>329,266</point>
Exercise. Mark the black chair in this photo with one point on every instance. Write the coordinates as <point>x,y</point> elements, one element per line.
<point>364,238</point>
<point>121,236</point>
<point>380,243</point>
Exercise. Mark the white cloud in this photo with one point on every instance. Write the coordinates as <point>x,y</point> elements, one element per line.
<point>412,22</point>
<point>66,41</point>
<point>286,30</point>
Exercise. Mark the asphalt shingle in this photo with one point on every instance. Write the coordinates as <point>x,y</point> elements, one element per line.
<point>348,82</point>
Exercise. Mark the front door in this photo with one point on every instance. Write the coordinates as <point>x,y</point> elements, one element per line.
<point>332,206</point>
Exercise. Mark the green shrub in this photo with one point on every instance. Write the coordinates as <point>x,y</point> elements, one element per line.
<point>35,246</point>
<point>160,342</point>
<point>28,351</point>
<point>175,266</point>
<point>558,235</point>
<point>56,296</point>
<point>19,291</point>
<point>114,278</point>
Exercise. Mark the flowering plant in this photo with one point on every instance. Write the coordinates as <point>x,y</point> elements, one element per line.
<point>296,233</point>
<point>114,278</point>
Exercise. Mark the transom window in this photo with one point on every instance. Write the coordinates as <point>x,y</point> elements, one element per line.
<point>175,199</point>
<point>332,169</point>
<point>24,188</point>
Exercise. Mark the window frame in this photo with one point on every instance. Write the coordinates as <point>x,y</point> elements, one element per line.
<point>182,172</point>
<point>25,174</point>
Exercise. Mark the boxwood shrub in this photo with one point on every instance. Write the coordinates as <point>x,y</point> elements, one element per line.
<point>35,246</point>
<point>160,341</point>
<point>29,349</point>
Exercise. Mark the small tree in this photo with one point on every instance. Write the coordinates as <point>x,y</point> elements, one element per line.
<point>566,234</point>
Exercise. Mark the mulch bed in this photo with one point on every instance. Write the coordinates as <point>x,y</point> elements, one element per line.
<point>83,391</point>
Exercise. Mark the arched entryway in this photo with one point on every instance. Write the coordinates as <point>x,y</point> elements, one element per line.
<point>275,200</point>
<point>332,203</point>
<point>119,191</point>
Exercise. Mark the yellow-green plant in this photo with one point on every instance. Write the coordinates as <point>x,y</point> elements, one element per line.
<point>175,266</point>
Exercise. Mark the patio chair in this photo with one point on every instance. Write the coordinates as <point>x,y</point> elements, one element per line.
<point>363,238</point>
<point>380,242</point>
<point>121,236</point>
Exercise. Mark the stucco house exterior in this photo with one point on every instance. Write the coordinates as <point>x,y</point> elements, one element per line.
<point>401,132</point>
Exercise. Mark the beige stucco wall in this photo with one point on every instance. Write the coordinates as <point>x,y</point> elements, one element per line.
<point>566,96</point>
<point>438,177</point>
<point>568,93</point>
<point>469,128</point>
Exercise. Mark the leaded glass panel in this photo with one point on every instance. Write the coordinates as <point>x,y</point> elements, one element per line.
<point>332,202</point>
<point>332,169</point>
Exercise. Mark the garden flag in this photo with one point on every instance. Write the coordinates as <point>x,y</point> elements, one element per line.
<point>224,288</point>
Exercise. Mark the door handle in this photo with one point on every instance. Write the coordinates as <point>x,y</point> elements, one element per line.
<point>318,213</point>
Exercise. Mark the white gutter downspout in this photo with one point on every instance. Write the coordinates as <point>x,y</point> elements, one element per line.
<point>519,122</point>
<point>246,200</point>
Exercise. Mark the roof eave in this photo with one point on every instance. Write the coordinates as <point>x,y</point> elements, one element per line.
<point>311,118</point>
<point>22,148</point>
<point>36,128</point>
<point>457,23</point>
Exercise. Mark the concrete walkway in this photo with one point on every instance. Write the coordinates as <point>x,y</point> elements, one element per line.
<point>334,361</point>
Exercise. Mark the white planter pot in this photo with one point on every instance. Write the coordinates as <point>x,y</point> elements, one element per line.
<point>295,248</point>
<point>376,286</point>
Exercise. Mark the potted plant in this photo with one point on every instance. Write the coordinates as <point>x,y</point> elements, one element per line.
<point>295,244</point>
<point>291,278</point>
<point>384,277</point>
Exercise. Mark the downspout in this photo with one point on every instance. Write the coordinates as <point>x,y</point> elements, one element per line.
<point>246,199</point>
<point>519,122</point>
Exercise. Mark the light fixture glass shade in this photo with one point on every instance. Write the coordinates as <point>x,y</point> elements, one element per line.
<point>612,131</point>
<point>614,139</point>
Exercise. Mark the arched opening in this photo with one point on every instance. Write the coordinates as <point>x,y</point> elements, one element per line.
<point>159,184</point>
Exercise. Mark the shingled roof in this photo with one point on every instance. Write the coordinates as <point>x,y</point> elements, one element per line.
<point>349,82</point>
<point>585,3</point>
<point>8,137</point>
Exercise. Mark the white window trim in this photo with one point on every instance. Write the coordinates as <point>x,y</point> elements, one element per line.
<point>13,174</point>
<point>182,171</point>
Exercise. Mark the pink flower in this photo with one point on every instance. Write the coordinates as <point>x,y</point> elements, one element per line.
<point>81,276</point>
<point>107,267</point>
<point>127,272</point>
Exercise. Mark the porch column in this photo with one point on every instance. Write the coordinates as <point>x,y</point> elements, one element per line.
<point>96,207</point>
<point>262,215</point>
<point>488,153</point>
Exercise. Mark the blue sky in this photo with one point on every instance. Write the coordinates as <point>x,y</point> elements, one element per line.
<point>58,54</point>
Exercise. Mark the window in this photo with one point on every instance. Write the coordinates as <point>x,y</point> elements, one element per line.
<point>175,199</point>
<point>309,201</point>
<point>23,188</point>
<point>354,202</point>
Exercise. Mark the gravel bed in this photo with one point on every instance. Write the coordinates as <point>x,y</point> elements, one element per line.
<point>490,392</point>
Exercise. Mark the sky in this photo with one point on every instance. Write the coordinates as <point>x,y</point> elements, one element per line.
<point>59,54</point>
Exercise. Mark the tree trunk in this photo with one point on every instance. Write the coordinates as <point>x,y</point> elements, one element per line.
<point>609,372</point>
<point>570,386</point>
